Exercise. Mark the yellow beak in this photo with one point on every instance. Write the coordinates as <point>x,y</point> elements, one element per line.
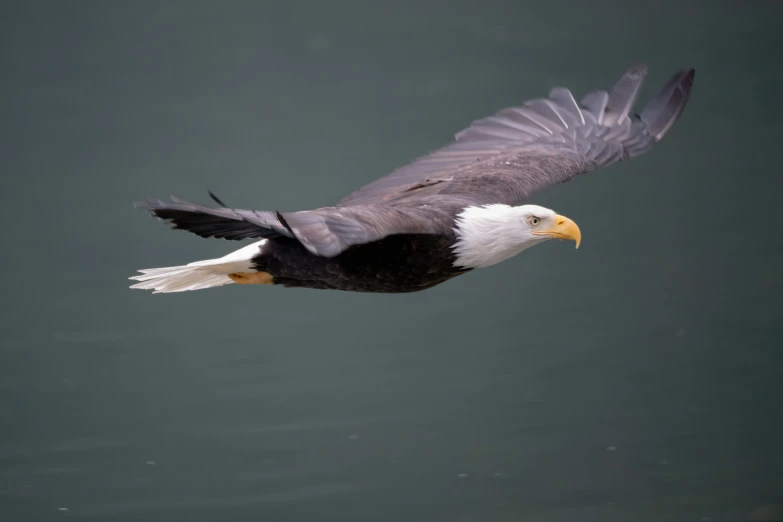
<point>564,229</point>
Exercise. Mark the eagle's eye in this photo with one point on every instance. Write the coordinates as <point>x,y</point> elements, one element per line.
<point>533,221</point>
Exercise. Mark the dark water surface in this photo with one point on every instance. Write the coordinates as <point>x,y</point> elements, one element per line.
<point>636,379</point>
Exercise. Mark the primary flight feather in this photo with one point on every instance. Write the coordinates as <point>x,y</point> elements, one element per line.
<point>462,207</point>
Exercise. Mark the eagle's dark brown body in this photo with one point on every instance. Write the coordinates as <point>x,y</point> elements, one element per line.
<point>395,264</point>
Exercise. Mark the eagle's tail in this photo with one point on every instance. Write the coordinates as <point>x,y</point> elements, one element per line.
<point>199,274</point>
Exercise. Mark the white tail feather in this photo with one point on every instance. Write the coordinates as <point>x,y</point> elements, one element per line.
<point>199,274</point>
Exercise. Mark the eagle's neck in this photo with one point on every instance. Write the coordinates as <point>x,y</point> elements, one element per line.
<point>488,235</point>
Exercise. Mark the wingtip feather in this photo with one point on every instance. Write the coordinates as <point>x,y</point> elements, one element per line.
<point>663,111</point>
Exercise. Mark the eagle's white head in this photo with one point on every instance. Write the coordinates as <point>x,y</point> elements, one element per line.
<point>490,234</point>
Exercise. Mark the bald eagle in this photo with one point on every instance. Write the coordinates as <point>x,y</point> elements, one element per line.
<point>461,207</point>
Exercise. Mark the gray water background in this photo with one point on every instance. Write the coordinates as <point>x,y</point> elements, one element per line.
<point>638,378</point>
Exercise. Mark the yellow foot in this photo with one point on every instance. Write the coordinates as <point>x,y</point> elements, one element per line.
<point>251,278</point>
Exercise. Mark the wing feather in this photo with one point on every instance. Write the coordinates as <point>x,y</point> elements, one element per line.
<point>595,105</point>
<point>624,94</point>
<point>512,145</point>
<point>564,98</point>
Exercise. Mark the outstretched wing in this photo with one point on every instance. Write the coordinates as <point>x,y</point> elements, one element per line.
<point>325,232</point>
<point>223,223</point>
<point>506,157</point>
<point>500,159</point>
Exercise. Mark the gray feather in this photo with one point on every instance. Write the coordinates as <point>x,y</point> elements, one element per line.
<point>623,95</point>
<point>565,99</point>
<point>595,104</point>
<point>328,232</point>
<point>663,111</point>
